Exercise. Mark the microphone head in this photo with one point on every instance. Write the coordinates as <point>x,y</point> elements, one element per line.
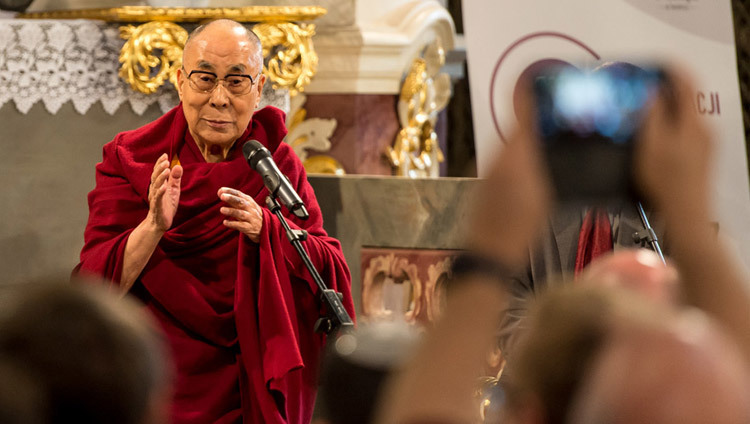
<point>300,212</point>
<point>254,151</point>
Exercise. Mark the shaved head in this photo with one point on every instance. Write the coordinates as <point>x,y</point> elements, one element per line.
<point>638,270</point>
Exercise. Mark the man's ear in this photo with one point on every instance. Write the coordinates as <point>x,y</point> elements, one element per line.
<point>180,80</point>
<point>261,81</point>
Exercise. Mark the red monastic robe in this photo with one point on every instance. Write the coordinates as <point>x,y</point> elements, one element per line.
<point>238,315</point>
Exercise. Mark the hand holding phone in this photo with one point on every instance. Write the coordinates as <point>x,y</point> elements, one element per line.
<point>587,122</point>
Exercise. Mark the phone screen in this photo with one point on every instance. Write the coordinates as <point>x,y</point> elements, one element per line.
<point>587,122</point>
<point>607,103</point>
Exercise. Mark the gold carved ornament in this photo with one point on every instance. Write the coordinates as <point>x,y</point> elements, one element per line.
<point>292,60</point>
<point>424,93</point>
<point>138,56</point>
<point>311,134</point>
<point>291,64</point>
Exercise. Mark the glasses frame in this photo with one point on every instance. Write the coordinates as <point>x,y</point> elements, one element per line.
<point>222,80</point>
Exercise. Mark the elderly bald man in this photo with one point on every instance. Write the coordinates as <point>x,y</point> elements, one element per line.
<point>176,219</point>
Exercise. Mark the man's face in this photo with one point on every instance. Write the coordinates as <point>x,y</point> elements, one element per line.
<point>218,118</point>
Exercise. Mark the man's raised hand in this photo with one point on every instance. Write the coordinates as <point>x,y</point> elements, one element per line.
<point>164,193</point>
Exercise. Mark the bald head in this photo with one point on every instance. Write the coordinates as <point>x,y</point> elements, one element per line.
<point>218,30</point>
<point>594,354</point>
<point>638,270</point>
<point>682,371</point>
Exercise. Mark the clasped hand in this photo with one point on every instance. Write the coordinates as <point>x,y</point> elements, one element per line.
<point>241,211</point>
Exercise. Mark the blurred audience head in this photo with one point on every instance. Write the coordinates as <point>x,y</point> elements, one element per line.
<point>589,350</point>
<point>21,399</point>
<point>563,333</point>
<point>639,270</point>
<point>358,364</point>
<point>90,357</point>
<point>682,372</point>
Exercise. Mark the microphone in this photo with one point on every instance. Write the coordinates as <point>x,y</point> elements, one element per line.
<point>277,183</point>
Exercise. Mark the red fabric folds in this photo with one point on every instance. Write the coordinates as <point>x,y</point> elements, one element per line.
<point>595,238</point>
<point>238,315</point>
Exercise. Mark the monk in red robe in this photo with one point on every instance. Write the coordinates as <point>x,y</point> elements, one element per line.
<point>175,219</point>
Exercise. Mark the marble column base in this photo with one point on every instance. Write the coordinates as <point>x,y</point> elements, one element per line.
<point>366,125</point>
<point>421,220</point>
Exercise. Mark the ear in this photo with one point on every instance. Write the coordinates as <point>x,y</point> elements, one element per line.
<point>181,78</point>
<point>495,357</point>
<point>259,87</point>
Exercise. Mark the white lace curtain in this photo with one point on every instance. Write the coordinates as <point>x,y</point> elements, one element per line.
<point>55,62</point>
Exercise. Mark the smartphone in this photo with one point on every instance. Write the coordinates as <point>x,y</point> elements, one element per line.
<point>588,121</point>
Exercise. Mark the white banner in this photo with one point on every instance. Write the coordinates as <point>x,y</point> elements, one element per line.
<point>506,37</point>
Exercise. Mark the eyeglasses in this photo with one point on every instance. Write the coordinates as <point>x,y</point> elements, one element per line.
<point>206,82</point>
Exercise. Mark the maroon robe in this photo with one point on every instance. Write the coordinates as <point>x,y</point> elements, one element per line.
<point>238,315</point>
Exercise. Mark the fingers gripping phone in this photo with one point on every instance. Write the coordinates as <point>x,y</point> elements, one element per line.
<point>588,121</point>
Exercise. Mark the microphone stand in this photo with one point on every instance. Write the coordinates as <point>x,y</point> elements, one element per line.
<point>336,316</point>
<point>649,236</point>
